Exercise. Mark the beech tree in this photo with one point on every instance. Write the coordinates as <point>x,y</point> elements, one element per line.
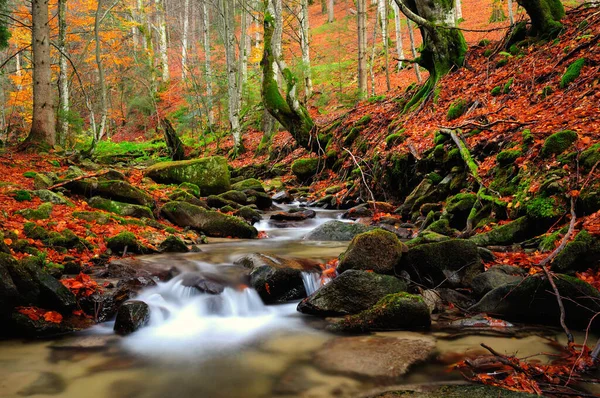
<point>43,125</point>
<point>545,16</point>
<point>63,81</point>
<point>361,16</point>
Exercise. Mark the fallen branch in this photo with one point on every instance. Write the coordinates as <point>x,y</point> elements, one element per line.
<point>60,184</point>
<point>488,125</point>
<point>465,154</point>
<point>363,178</point>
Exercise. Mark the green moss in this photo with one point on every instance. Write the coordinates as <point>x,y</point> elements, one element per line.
<point>496,91</point>
<point>572,72</point>
<point>528,138</point>
<point>442,227</point>
<point>488,52</point>
<point>363,120</point>
<point>514,49</point>
<point>508,157</point>
<point>351,136</point>
<point>440,138</point>
<point>558,142</point>
<point>507,87</point>
<point>542,208</point>
<point>34,231</point>
<point>305,168</point>
<point>191,188</point>
<point>590,157</point>
<point>546,91</point>
<point>483,42</point>
<point>393,139</point>
<point>515,231</point>
<point>21,195</point>
<point>124,240</point>
<point>457,109</point>
<point>29,174</point>
<point>454,155</point>
<point>41,213</point>
<point>502,63</point>
<point>435,177</point>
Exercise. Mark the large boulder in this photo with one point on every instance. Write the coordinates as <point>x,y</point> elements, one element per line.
<point>579,255</point>
<point>132,316</point>
<point>294,215</point>
<point>49,196</point>
<point>209,222</point>
<point>118,190</point>
<point>533,300</point>
<point>336,230</point>
<point>380,357</point>
<point>305,169</point>
<point>210,174</point>
<point>496,276</point>
<point>376,250</point>
<point>398,311</point>
<point>250,183</point>
<point>507,234</point>
<point>350,293</point>
<point>453,262</point>
<point>120,208</point>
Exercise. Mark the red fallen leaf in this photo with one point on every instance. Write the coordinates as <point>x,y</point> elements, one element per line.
<point>82,285</point>
<point>8,241</point>
<point>267,288</point>
<point>262,235</point>
<point>33,313</point>
<point>53,316</point>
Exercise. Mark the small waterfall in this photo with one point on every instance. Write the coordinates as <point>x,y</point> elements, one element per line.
<point>313,281</point>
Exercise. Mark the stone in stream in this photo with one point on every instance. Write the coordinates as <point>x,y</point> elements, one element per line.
<point>173,244</point>
<point>262,200</point>
<point>201,283</point>
<point>533,300</point>
<point>374,356</point>
<point>250,183</point>
<point>211,223</point>
<point>335,230</point>
<point>132,316</point>
<point>496,276</point>
<point>277,279</point>
<point>350,293</point>
<point>283,197</point>
<point>249,214</point>
<point>377,250</point>
<point>453,263</point>
<point>450,391</point>
<point>398,311</point>
<point>210,174</point>
<point>294,215</point>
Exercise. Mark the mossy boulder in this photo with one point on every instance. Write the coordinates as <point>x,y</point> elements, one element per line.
<point>456,109</point>
<point>579,255</point>
<point>544,210</point>
<point>211,223</point>
<point>235,196</point>
<point>305,169</point>
<point>335,230</point>
<point>217,202</point>
<point>533,300</point>
<point>508,156</point>
<point>34,231</point>
<point>51,197</point>
<point>132,316</point>
<point>249,214</point>
<point>210,174</point>
<point>42,181</point>
<point>250,183</point>
<point>590,157</point>
<point>191,188</point>
<point>120,208</point>
<point>559,142</point>
<point>185,196</point>
<point>573,71</point>
<point>377,250</point>
<point>262,200</point>
<point>453,263</point>
<point>92,216</point>
<point>513,232</point>
<point>42,212</point>
<point>350,293</point>
<point>496,276</point>
<point>66,238</point>
<point>398,311</point>
<point>173,244</point>
<point>458,208</point>
<point>277,284</point>
<point>126,242</point>
<point>441,226</point>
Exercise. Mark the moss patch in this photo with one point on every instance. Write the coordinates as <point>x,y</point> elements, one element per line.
<point>558,142</point>
<point>572,72</point>
<point>457,109</point>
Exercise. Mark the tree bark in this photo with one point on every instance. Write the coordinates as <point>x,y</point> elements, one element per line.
<point>413,50</point>
<point>289,112</point>
<point>330,11</point>
<point>174,144</point>
<point>304,44</point>
<point>207,64</point>
<point>269,123</point>
<point>398,28</point>
<point>184,40</point>
<point>382,8</point>
<point>99,134</point>
<point>372,61</point>
<point>545,16</point>
<point>63,81</point>
<point>43,125</point>
<point>162,40</point>
<point>511,15</point>
<point>458,9</point>
<point>361,15</point>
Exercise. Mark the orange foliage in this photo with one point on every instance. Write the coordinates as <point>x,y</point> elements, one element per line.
<point>82,285</point>
<point>35,314</point>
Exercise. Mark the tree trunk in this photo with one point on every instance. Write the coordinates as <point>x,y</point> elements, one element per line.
<point>101,80</point>
<point>511,15</point>
<point>289,112</point>
<point>63,81</point>
<point>330,11</point>
<point>442,49</point>
<point>184,40</point>
<point>372,61</point>
<point>43,125</point>
<point>361,15</point>
<point>458,9</point>
<point>413,50</point>
<point>323,6</point>
<point>174,144</point>
<point>398,28</point>
<point>228,26</point>
<point>243,59</point>
<point>382,8</point>
<point>304,43</point>
<point>545,16</point>
<point>269,123</point>
<point>162,40</point>
<point>207,65</point>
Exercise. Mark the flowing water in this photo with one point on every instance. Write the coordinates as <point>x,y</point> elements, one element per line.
<point>228,345</point>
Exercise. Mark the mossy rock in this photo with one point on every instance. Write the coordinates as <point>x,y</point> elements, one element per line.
<point>173,244</point>
<point>21,195</point>
<point>458,208</point>
<point>442,227</point>
<point>93,216</point>
<point>42,181</point>
<point>393,140</point>
<point>579,255</point>
<point>508,157</point>
<point>496,91</point>
<point>126,241</point>
<point>235,196</point>
<point>122,209</point>
<point>305,169</point>
<point>590,157</point>
<point>558,142</point>
<point>211,223</point>
<point>533,300</point>
<point>453,262</point>
<point>573,71</point>
<point>66,239</point>
<point>42,212</point>
<point>544,209</point>
<point>217,202</point>
<point>210,174</point>
<point>513,232</point>
<point>351,136</point>
<point>51,197</point>
<point>250,183</point>
<point>377,250</point>
<point>398,311</point>
<point>190,188</point>
<point>34,231</point>
<point>249,214</point>
<point>457,109</point>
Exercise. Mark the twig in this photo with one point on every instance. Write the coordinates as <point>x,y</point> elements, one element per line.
<point>363,177</point>
<point>503,359</point>
<point>488,125</point>
<point>60,184</point>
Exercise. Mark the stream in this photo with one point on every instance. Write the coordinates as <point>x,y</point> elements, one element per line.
<point>231,345</point>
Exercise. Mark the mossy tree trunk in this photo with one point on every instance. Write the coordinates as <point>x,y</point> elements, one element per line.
<point>444,47</point>
<point>545,16</point>
<point>289,112</point>
<point>174,144</point>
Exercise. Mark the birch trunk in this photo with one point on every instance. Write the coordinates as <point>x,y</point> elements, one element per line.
<point>63,82</point>
<point>184,40</point>
<point>511,15</point>
<point>377,21</point>
<point>458,9</point>
<point>382,8</point>
<point>398,28</point>
<point>361,15</point>
<point>304,42</point>
<point>99,133</point>
<point>207,64</point>
<point>43,125</point>
<point>228,26</point>
<point>243,55</point>
<point>162,40</point>
<point>413,50</point>
<point>330,11</point>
